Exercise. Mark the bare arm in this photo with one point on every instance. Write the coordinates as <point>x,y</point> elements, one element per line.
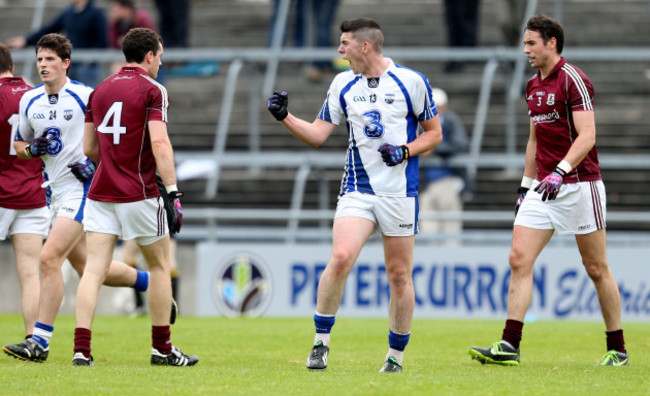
<point>91,143</point>
<point>429,139</point>
<point>314,134</point>
<point>162,151</point>
<point>586,128</point>
<point>19,146</point>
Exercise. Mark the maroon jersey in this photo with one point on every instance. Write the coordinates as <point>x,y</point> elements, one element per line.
<point>20,180</point>
<point>551,104</point>
<point>120,108</point>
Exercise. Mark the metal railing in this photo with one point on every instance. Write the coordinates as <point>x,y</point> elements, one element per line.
<point>305,164</point>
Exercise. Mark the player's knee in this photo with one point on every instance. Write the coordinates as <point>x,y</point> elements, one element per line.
<point>398,276</point>
<point>50,263</point>
<point>518,261</point>
<point>340,260</point>
<point>595,269</point>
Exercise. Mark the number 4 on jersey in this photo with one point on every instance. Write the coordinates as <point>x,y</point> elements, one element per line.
<point>116,129</point>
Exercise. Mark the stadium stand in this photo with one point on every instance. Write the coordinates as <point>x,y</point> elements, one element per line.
<point>622,96</point>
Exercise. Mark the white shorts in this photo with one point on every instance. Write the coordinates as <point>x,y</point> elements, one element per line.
<point>580,208</point>
<point>24,221</point>
<point>394,216</point>
<point>68,200</point>
<point>144,220</point>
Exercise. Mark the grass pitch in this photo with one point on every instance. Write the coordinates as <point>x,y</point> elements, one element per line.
<point>267,356</point>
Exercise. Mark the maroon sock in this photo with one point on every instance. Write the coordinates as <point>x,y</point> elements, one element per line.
<point>82,341</point>
<point>512,332</point>
<point>161,339</point>
<point>615,341</point>
<point>28,336</point>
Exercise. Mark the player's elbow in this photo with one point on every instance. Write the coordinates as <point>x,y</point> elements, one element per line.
<point>160,147</point>
<point>315,144</point>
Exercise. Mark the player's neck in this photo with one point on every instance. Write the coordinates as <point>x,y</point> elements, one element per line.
<point>546,69</point>
<point>376,67</point>
<point>54,87</point>
<point>6,74</point>
<point>139,66</point>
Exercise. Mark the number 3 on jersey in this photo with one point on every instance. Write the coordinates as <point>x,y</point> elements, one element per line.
<point>114,113</point>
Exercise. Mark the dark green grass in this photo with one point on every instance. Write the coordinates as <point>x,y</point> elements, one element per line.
<point>267,356</point>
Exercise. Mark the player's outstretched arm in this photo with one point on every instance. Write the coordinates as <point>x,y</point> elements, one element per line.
<point>314,134</point>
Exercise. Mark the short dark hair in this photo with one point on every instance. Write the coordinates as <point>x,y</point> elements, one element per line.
<point>364,29</point>
<point>138,42</point>
<point>548,28</point>
<point>57,43</point>
<point>6,62</point>
<point>354,25</point>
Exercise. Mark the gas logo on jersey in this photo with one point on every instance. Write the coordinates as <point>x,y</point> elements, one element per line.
<point>38,116</point>
<point>373,128</point>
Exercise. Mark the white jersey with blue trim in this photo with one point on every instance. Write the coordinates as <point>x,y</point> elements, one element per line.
<point>384,109</point>
<point>61,116</point>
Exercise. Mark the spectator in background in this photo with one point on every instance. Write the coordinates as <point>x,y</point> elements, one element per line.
<point>461,17</point>
<point>174,22</point>
<point>442,192</point>
<point>510,17</point>
<point>323,13</point>
<point>123,17</point>
<point>174,27</point>
<point>85,26</point>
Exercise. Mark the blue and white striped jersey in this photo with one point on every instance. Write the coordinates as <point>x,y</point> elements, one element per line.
<point>62,117</point>
<point>379,110</point>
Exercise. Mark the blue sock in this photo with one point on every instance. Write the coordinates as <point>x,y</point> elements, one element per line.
<point>323,323</point>
<point>142,281</point>
<point>42,334</point>
<point>398,341</point>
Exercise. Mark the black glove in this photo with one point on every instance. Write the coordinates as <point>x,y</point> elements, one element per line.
<point>82,170</point>
<point>278,104</point>
<point>37,147</point>
<point>392,154</point>
<point>522,194</point>
<point>176,212</point>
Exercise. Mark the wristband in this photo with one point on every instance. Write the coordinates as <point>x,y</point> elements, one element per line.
<point>406,151</point>
<point>26,151</point>
<point>565,166</point>
<point>171,187</point>
<point>526,182</point>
